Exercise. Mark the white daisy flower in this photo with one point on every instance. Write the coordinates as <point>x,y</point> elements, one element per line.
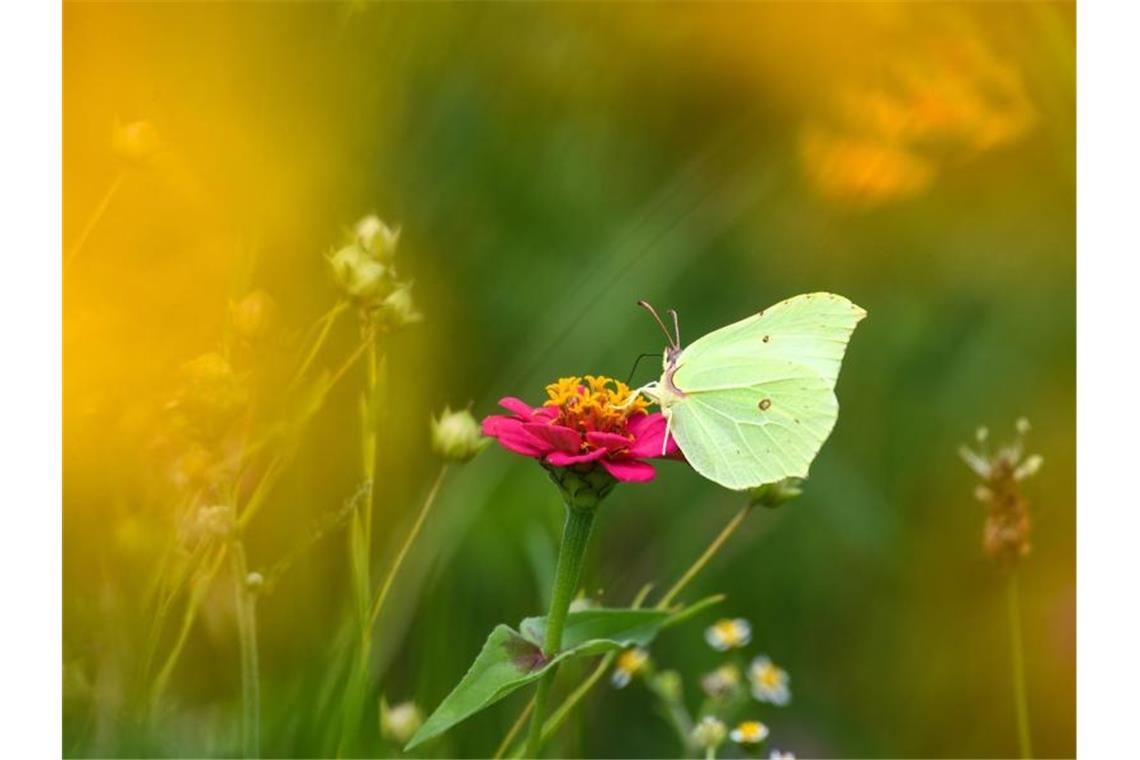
<point>749,732</point>
<point>629,664</point>
<point>728,634</point>
<point>780,755</point>
<point>722,682</point>
<point>769,683</point>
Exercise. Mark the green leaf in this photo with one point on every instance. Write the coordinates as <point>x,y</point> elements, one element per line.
<point>510,659</point>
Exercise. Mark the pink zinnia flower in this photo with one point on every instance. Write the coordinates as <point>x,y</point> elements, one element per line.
<point>586,420</point>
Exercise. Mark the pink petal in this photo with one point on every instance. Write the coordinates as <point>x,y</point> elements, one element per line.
<point>546,413</point>
<point>629,470</point>
<point>509,432</point>
<point>562,459</point>
<point>555,436</point>
<point>608,441</point>
<point>649,432</point>
<point>518,406</point>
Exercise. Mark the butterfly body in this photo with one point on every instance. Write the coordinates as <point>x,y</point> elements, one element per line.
<point>753,402</point>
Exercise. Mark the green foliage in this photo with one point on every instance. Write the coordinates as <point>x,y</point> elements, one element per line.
<point>512,659</point>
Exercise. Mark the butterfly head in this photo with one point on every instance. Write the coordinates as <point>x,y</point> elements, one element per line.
<point>673,350</point>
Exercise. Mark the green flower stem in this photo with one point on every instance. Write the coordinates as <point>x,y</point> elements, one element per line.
<point>326,322</point>
<point>359,548</point>
<point>1013,603</point>
<point>246,605</point>
<point>575,536</point>
<point>399,561</point>
<point>559,716</point>
<point>705,557</point>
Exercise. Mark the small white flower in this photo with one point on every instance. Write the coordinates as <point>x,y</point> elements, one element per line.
<point>630,663</point>
<point>749,732</point>
<point>728,634</point>
<point>709,733</point>
<point>722,682</point>
<point>769,683</point>
<point>780,755</point>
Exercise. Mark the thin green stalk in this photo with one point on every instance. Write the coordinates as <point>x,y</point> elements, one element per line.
<point>193,602</point>
<point>246,604</point>
<point>710,753</point>
<point>326,322</point>
<point>705,557</point>
<point>520,721</point>
<point>360,545</point>
<point>394,570</point>
<point>93,220</point>
<point>575,537</point>
<point>1013,603</point>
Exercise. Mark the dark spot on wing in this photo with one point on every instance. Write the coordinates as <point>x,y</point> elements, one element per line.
<point>765,338</point>
<point>765,404</point>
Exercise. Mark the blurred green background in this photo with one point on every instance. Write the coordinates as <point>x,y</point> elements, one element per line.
<point>549,165</point>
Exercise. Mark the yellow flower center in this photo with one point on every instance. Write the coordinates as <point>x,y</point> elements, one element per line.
<point>751,731</point>
<point>593,403</point>
<point>631,660</point>
<point>728,632</point>
<point>768,676</point>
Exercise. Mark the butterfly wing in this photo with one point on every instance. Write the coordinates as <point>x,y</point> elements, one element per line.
<point>759,395</point>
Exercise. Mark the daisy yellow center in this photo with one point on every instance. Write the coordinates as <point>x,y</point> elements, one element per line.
<point>592,402</point>
<point>728,632</point>
<point>631,661</point>
<point>751,731</point>
<point>768,676</point>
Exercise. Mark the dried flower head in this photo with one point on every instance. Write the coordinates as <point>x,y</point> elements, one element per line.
<point>749,732</point>
<point>769,683</point>
<point>729,634</point>
<point>1007,528</point>
<point>210,396</point>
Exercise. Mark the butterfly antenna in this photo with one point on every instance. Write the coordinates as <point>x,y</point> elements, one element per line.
<point>645,305</point>
<point>636,362</point>
<point>676,327</point>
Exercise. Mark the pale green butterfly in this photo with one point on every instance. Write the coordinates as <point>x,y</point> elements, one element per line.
<point>753,402</point>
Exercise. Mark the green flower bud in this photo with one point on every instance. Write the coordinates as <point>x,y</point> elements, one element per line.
<point>710,733</point>
<point>376,238</point>
<point>399,309</point>
<point>456,436</point>
<point>397,724</point>
<point>667,684</point>
<point>254,316</point>
<point>360,277</point>
<point>772,495</point>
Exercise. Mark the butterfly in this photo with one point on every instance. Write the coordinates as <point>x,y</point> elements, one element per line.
<point>753,402</point>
